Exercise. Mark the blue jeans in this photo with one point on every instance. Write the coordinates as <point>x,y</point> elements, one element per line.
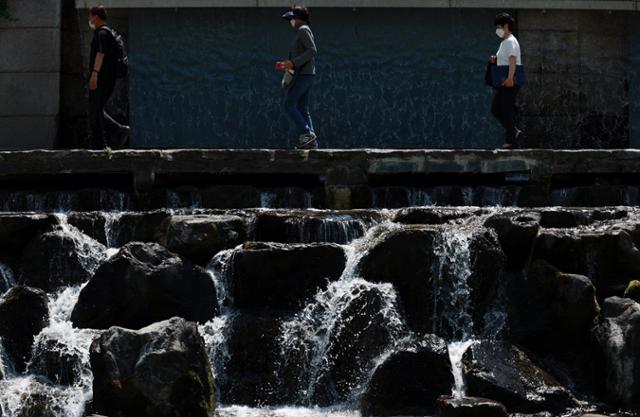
<point>296,103</point>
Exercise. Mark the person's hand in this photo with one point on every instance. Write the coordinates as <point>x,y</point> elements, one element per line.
<point>288,65</point>
<point>493,59</point>
<point>508,83</point>
<point>93,81</point>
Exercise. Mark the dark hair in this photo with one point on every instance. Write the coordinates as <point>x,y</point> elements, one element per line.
<point>99,11</point>
<point>505,19</point>
<point>301,12</point>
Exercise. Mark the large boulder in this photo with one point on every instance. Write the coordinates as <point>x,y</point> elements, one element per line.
<point>23,314</point>
<point>281,278</point>
<point>251,372</point>
<point>140,227</point>
<point>199,237</point>
<point>61,257</point>
<point>609,257</point>
<point>447,406</point>
<point>431,215</point>
<point>159,371</point>
<point>144,283</point>
<point>353,323</point>
<point>516,232</point>
<point>502,372</point>
<point>618,339</point>
<point>404,258</point>
<point>551,311</point>
<point>16,230</point>
<point>410,380</point>
<point>431,267</point>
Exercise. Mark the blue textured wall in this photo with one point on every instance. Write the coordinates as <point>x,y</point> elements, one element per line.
<point>389,78</point>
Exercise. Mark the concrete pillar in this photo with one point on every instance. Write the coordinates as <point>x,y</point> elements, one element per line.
<point>30,74</point>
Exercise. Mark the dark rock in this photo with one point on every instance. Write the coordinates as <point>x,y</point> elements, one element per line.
<point>159,371</point>
<point>23,314</point>
<point>141,227</point>
<point>200,237</point>
<point>144,283</point>
<point>633,290</point>
<point>516,232</point>
<point>365,325</point>
<point>447,406</point>
<point>250,374</point>
<point>502,372</point>
<point>16,230</point>
<point>91,224</point>
<point>430,215</point>
<point>60,258</point>
<point>564,218</point>
<point>311,226</point>
<point>608,258</point>
<point>551,311</point>
<point>615,306</point>
<point>409,381</point>
<point>59,362</point>
<point>281,277</point>
<point>424,263</point>
<point>618,339</point>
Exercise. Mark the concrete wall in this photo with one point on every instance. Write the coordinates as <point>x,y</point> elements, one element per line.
<point>30,74</point>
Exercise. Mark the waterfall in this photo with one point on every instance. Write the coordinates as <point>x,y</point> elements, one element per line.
<point>21,393</point>
<point>456,352</point>
<point>7,278</point>
<point>111,228</point>
<point>311,331</point>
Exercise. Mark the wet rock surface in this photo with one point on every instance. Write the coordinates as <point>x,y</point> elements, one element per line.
<point>161,371</point>
<point>447,406</point>
<point>23,314</point>
<point>60,258</point>
<point>618,338</point>
<point>502,372</point>
<point>282,277</point>
<point>144,283</point>
<point>199,237</point>
<point>409,381</point>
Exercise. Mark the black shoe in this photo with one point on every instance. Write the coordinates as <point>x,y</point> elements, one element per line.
<point>123,137</point>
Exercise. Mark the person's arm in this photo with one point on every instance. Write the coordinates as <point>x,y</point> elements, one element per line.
<point>310,52</point>
<point>93,81</point>
<point>512,72</point>
<point>97,66</point>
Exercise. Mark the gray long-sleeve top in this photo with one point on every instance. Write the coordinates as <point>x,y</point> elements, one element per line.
<point>304,51</point>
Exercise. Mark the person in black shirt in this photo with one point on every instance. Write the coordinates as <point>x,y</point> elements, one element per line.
<point>102,81</point>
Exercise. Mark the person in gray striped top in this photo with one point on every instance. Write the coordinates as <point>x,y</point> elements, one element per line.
<point>302,65</point>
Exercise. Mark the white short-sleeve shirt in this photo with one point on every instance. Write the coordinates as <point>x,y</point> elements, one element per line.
<point>509,47</point>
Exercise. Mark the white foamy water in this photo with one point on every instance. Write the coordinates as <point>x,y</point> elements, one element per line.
<point>19,394</point>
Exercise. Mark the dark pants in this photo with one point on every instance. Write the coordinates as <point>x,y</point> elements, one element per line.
<point>98,118</point>
<point>505,109</point>
<point>296,103</point>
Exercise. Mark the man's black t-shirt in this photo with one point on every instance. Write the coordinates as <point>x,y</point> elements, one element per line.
<point>103,41</point>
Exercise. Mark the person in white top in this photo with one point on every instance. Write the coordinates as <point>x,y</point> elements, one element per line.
<point>504,107</point>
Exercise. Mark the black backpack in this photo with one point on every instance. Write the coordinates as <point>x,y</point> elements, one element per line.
<point>122,62</point>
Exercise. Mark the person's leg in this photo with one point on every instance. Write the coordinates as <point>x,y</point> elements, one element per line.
<point>305,105</point>
<point>96,119</point>
<point>113,129</point>
<point>294,94</point>
<point>508,111</point>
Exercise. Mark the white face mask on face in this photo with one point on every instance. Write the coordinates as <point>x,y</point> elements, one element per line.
<point>91,25</point>
<point>293,23</point>
<point>500,32</point>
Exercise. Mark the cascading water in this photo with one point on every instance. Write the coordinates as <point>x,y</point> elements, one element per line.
<point>7,279</point>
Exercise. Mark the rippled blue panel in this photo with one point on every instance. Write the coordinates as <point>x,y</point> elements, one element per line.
<point>388,78</point>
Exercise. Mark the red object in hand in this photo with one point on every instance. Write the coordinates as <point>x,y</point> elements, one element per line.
<point>280,66</point>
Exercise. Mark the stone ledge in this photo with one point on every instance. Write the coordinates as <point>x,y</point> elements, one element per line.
<point>334,167</point>
<point>501,4</point>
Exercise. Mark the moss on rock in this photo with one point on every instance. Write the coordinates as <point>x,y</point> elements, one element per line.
<point>633,291</point>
